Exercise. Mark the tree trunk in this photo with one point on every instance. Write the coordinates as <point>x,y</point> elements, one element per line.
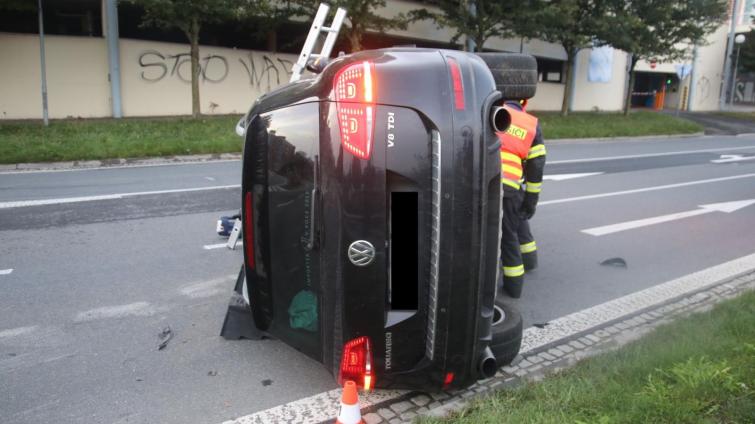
<point>571,57</point>
<point>195,71</point>
<point>630,87</point>
<point>355,39</point>
<point>272,41</point>
<point>479,42</point>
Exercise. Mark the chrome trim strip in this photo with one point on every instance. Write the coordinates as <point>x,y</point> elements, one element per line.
<point>432,304</point>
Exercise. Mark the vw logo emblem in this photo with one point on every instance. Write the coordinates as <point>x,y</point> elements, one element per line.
<point>361,253</point>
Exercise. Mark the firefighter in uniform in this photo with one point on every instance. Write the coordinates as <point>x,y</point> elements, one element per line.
<point>522,163</point>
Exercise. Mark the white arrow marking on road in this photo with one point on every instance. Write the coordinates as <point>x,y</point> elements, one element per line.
<point>727,207</point>
<point>6,271</point>
<point>562,177</point>
<point>732,158</point>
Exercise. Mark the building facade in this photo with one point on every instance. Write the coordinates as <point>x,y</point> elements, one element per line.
<point>235,69</point>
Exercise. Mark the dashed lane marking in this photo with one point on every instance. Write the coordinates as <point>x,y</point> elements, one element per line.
<point>324,406</point>
<point>220,245</point>
<point>650,155</point>
<point>207,288</point>
<point>42,202</point>
<point>119,311</point>
<point>641,190</point>
<point>100,168</point>
<point>6,271</point>
<point>18,331</point>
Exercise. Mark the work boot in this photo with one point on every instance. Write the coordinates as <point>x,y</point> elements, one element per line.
<point>529,260</point>
<point>513,286</point>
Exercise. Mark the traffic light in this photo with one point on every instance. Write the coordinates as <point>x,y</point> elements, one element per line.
<point>668,81</point>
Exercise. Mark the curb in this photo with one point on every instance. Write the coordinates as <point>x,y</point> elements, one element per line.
<point>219,157</point>
<point>119,163</point>
<point>538,363</point>
<point>644,138</point>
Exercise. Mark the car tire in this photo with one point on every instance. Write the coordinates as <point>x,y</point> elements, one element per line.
<point>515,74</point>
<point>507,332</point>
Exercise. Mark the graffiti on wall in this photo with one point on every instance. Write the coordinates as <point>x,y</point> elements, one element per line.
<point>264,72</point>
<point>744,89</point>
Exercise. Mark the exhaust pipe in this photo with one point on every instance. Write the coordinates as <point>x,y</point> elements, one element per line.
<point>487,366</point>
<point>500,118</point>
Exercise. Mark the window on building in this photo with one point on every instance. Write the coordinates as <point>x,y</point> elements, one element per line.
<point>550,70</point>
<point>61,17</point>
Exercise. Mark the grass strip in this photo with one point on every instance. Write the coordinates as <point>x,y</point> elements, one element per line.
<point>69,140</point>
<point>589,125</point>
<point>88,139</point>
<point>699,369</point>
<point>745,116</point>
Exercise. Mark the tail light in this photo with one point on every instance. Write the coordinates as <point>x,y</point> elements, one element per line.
<point>355,104</point>
<point>249,230</point>
<point>457,81</point>
<point>356,363</point>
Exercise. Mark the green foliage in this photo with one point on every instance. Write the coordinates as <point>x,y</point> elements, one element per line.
<point>480,19</point>
<point>186,15</point>
<point>747,55</point>
<point>585,125</point>
<point>18,5</point>
<point>700,369</point>
<point>663,29</point>
<point>116,138</point>
<point>361,16</point>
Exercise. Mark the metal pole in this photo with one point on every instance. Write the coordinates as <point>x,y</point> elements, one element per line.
<point>573,78</point>
<point>692,80</point>
<point>471,45</point>
<point>727,60</point>
<point>734,78</point>
<point>42,63</point>
<point>114,56</point>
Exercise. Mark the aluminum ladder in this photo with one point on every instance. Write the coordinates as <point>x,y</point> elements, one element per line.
<point>315,31</point>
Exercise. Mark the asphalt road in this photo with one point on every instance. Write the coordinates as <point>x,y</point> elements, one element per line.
<point>96,278</point>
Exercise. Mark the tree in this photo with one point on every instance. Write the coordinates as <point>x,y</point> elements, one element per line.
<point>360,18</point>
<point>575,25</point>
<point>479,19</point>
<point>660,29</point>
<point>266,16</point>
<point>188,16</point>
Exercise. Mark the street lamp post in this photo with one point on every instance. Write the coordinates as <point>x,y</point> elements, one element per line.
<point>739,39</point>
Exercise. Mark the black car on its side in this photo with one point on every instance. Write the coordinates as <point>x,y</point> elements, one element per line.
<point>371,215</point>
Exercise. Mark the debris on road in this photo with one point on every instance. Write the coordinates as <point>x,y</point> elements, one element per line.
<point>615,262</point>
<point>165,336</point>
<point>267,382</point>
<point>212,373</point>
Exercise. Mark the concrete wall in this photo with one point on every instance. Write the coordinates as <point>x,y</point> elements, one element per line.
<point>603,96</point>
<point>77,77</point>
<point>155,77</point>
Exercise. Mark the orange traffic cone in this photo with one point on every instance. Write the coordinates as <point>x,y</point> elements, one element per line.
<point>350,413</point>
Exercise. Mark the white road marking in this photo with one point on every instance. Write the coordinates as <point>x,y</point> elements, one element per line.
<point>644,189</point>
<point>562,177</point>
<point>6,271</point>
<point>41,202</point>
<point>220,245</point>
<point>732,158</point>
<point>727,207</point>
<point>19,331</point>
<point>208,288</point>
<point>650,155</point>
<point>99,168</point>
<point>209,178</point>
<point>120,311</point>
<point>324,406</point>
